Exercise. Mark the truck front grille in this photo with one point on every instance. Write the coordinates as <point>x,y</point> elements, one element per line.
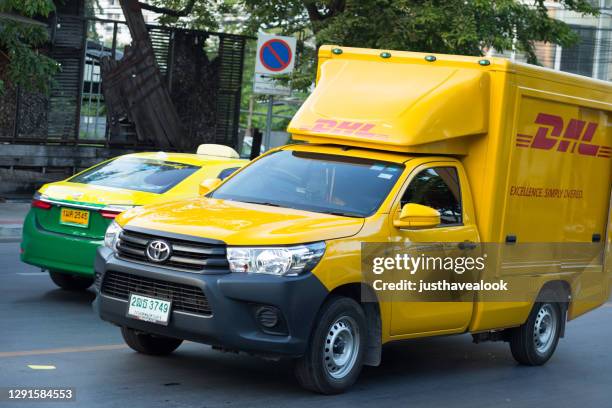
<point>184,298</point>
<point>187,255</point>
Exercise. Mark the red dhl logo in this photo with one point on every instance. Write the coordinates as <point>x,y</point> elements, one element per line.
<point>576,137</point>
<point>346,128</point>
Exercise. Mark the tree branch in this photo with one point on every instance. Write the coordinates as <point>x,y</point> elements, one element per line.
<point>313,11</point>
<point>169,12</point>
<point>335,7</point>
<point>21,19</point>
<point>4,55</point>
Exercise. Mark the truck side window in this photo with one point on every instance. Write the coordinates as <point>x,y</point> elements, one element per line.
<point>437,187</point>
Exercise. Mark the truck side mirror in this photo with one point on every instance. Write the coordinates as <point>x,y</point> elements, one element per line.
<point>417,216</point>
<point>209,185</point>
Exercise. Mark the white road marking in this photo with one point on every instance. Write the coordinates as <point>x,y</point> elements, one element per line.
<point>41,367</point>
<point>31,273</point>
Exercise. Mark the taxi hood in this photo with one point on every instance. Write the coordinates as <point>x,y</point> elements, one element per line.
<point>238,223</point>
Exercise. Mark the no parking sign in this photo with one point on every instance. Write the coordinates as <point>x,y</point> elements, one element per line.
<point>275,56</point>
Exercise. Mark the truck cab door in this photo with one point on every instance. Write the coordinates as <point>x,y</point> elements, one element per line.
<point>443,186</point>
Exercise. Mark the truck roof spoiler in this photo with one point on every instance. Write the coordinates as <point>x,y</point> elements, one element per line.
<point>397,101</point>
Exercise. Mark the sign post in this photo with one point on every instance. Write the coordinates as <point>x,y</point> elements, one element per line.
<point>268,133</point>
<point>275,56</point>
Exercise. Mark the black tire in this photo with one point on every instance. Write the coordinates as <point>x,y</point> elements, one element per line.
<point>148,343</point>
<point>338,320</point>
<point>70,282</point>
<point>526,341</point>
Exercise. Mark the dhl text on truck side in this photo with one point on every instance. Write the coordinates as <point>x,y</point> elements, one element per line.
<point>401,147</point>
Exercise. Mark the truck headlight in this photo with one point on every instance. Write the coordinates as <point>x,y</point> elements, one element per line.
<point>112,235</point>
<point>282,261</point>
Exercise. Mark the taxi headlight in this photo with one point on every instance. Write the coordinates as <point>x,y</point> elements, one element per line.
<point>282,261</point>
<point>112,235</point>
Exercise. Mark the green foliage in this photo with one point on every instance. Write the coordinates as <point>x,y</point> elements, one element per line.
<point>20,40</point>
<point>468,27</point>
<point>200,14</point>
<point>29,8</point>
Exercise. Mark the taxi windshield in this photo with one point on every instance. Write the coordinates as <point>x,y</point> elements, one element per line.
<point>333,184</point>
<point>131,173</point>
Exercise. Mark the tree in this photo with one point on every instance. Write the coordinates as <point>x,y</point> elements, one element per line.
<point>21,37</point>
<point>194,14</point>
<point>469,27</point>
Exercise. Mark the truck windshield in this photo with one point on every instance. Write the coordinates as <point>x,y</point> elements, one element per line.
<point>332,184</point>
<point>130,173</point>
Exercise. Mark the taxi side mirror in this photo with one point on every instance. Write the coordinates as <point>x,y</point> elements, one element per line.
<point>208,185</point>
<point>417,216</point>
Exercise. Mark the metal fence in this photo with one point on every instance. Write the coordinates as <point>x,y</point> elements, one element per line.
<point>74,113</point>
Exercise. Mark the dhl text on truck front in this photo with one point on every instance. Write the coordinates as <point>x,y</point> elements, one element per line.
<point>400,149</point>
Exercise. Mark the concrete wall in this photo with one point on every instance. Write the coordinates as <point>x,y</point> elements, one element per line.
<point>24,168</point>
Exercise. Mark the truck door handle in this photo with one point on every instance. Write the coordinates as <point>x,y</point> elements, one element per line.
<point>466,245</point>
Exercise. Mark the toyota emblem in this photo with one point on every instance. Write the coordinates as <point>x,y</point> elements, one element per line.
<point>158,251</point>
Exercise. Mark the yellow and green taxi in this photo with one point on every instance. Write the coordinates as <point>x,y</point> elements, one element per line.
<point>68,218</point>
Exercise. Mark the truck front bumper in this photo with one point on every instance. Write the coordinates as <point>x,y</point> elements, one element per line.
<point>235,301</point>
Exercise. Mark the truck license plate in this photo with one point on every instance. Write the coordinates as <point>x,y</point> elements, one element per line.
<point>149,309</point>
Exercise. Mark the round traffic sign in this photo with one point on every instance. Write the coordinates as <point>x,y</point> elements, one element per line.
<point>275,55</point>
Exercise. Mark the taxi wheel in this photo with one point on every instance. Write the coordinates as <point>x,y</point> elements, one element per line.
<point>70,282</point>
<point>146,343</point>
<point>534,342</point>
<point>334,357</point>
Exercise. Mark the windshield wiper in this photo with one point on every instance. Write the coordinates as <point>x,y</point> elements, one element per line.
<point>331,212</point>
<point>262,203</point>
<point>343,214</point>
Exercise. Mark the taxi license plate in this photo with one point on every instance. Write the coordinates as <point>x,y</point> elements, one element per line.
<point>149,309</point>
<point>70,216</point>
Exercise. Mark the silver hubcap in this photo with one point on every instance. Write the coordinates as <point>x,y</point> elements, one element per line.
<point>545,328</point>
<point>341,347</point>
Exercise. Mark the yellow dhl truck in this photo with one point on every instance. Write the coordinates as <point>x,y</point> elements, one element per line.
<point>400,147</point>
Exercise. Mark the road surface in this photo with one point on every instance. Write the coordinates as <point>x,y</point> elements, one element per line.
<point>45,326</point>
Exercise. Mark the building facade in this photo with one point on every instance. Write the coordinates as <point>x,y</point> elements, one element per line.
<point>592,55</point>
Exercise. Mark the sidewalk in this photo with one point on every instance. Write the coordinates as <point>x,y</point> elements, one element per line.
<point>11,219</point>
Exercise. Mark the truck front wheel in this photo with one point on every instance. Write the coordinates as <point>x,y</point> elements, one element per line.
<point>334,356</point>
<point>534,342</point>
<point>149,344</point>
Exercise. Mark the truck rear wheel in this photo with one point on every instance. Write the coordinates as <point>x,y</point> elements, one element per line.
<point>334,356</point>
<point>534,342</point>
<point>70,282</point>
<point>146,343</point>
